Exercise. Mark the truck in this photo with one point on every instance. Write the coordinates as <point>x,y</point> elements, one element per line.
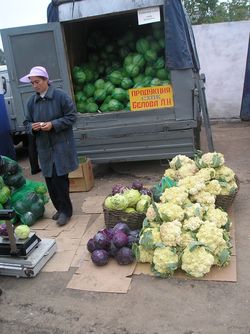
<point>96,43</point>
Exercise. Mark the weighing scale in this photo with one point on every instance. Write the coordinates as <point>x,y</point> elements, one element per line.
<point>23,258</point>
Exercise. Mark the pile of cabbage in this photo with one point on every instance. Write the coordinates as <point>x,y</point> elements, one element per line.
<point>185,229</point>
<point>115,242</point>
<point>130,199</point>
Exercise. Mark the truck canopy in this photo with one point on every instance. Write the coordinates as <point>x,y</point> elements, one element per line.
<point>181,52</point>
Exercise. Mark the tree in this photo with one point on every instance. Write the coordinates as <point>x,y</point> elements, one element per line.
<point>2,58</point>
<point>212,11</point>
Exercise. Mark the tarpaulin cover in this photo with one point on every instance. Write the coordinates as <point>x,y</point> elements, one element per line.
<point>180,43</point>
<point>6,143</point>
<point>245,104</point>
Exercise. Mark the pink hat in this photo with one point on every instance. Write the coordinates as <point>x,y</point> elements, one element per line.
<point>37,71</point>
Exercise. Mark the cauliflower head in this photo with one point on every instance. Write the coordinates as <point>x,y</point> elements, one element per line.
<point>187,237</point>
<point>213,187</point>
<point>212,236</point>
<point>224,174</point>
<point>193,184</point>
<point>180,160</point>
<point>170,211</point>
<point>165,261</point>
<point>228,188</point>
<point>206,174</point>
<point>211,159</point>
<point>218,216</point>
<point>170,173</point>
<point>176,195</point>
<point>186,170</point>
<point>150,238</point>
<point>192,223</point>
<point>194,210</point>
<point>142,254</point>
<point>171,233</point>
<point>196,261</point>
<point>204,198</point>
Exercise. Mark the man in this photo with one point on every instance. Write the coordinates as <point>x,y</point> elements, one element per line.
<point>50,116</point>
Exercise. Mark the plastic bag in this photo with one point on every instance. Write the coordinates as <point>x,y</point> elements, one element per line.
<point>29,201</point>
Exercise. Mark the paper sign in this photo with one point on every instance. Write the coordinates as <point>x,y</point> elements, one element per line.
<point>148,15</point>
<point>151,97</point>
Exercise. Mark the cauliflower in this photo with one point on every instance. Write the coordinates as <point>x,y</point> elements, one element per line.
<point>171,233</point>
<point>218,216</point>
<point>165,261</point>
<point>206,174</point>
<point>203,197</point>
<point>192,223</point>
<point>176,195</point>
<point>211,159</point>
<point>142,254</point>
<point>212,236</point>
<point>186,238</point>
<point>213,187</point>
<point>186,170</point>
<point>228,188</point>
<point>196,261</point>
<point>180,160</point>
<point>151,214</point>
<point>193,210</point>
<point>170,212</point>
<point>171,173</point>
<point>224,174</point>
<point>150,238</point>
<point>193,184</point>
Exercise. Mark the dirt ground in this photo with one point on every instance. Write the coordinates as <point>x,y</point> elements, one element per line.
<point>43,305</point>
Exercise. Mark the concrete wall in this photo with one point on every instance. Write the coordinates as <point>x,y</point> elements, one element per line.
<point>222,49</point>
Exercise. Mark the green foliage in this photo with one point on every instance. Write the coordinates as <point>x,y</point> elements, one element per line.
<point>213,11</point>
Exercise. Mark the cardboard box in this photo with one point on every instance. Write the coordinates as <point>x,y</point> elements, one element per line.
<point>82,179</point>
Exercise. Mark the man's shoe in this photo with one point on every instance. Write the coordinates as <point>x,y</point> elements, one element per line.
<point>62,220</point>
<point>56,215</point>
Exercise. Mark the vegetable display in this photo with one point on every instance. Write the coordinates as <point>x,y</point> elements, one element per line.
<point>117,63</point>
<point>185,229</point>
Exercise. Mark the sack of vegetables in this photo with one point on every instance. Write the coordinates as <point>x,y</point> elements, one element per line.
<point>127,204</point>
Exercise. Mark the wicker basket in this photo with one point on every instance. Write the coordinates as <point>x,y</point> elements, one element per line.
<point>134,220</point>
<point>225,201</point>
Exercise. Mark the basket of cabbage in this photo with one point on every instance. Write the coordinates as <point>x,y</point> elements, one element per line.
<point>127,204</point>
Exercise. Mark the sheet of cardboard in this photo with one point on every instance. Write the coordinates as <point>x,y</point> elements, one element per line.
<point>93,204</point>
<point>108,278</point>
<point>60,261</point>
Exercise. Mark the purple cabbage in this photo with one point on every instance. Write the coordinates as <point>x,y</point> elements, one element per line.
<point>101,240</point>
<point>107,232</point>
<point>121,227</point>
<point>124,256</point>
<point>112,249</point>
<point>116,189</point>
<point>91,245</point>
<point>3,230</point>
<point>100,257</point>
<point>138,185</point>
<point>146,191</point>
<point>120,239</point>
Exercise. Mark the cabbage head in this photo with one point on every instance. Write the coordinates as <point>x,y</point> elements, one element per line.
<point>22,231</point>
<point>132,196</point>
<point>118,202</point>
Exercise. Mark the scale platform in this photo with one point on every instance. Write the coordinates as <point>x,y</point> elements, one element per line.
<point>28,265</point>
<point>23,247</point>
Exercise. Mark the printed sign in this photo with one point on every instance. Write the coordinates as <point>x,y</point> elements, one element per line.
<point>145,98</point>
<point>148,15</point>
